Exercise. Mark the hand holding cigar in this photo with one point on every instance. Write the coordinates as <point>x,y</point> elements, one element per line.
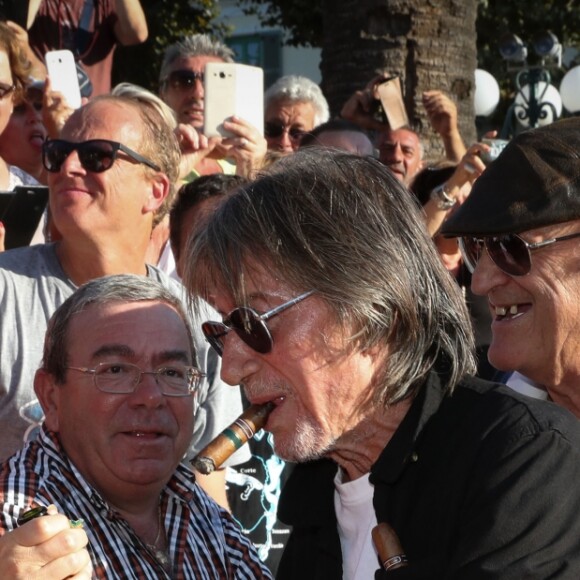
<point>232,438</point>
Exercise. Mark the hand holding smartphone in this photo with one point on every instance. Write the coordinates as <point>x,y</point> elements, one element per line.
<point>62,71</point>
<point>232,89</point>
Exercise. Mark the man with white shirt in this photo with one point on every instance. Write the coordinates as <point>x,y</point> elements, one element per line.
<point>519,231</point>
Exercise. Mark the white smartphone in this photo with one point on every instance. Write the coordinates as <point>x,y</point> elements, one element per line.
<point>62,70</point>
<point>232,89</point>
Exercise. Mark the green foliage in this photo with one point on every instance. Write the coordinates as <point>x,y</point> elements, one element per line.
<point>168,20</point>
<point>301,19</point>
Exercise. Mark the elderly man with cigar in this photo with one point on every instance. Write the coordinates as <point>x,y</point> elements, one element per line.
<point>338,312</point>
<point>519,231</point>
<point>117,385</point>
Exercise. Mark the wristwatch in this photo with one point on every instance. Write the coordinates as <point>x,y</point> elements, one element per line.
<point>441,197</point>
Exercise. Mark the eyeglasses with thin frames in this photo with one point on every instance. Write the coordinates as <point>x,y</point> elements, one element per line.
<point>509,252</point>
<point>122,378</point>
<point>95,155</point>
<point>250,326</point>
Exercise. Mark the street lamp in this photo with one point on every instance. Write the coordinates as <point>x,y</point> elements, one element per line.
<point>570,90</point>
<point>537,101</point>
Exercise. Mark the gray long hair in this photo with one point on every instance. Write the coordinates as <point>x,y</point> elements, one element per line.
<point>343,226</point>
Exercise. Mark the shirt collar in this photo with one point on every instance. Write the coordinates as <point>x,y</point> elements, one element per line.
<point>400,450</point>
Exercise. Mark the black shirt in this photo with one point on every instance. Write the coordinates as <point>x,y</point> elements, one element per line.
<point>480,484</point>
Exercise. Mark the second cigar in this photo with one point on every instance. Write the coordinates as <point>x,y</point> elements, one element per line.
<point>232,438</point>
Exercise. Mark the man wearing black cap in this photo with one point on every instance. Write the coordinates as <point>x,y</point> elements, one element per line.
<point>519,231</point>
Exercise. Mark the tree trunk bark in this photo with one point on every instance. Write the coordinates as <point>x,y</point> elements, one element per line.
<point>430,44</point>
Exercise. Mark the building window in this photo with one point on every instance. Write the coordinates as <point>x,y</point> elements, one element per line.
<point>263,49</point>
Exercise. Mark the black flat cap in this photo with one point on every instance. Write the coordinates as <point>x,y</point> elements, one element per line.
<point>534,182</point>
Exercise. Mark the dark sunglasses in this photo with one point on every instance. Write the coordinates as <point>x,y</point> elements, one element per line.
<point>22,107</point>
<point>510,253</point>
<point>275,130</point>
<point>96,155</point>
<point>183,79</point>
<point>6,89</point>
<point>250,326</point>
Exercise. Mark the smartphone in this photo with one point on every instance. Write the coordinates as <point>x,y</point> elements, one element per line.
<point>21,211</point>
<point>232,89</point>
<point>62,71</point>
<point>496,147</point>
<point>392,106</point>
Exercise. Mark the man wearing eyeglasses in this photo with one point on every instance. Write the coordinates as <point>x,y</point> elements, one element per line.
<point>337,311</point>
<point>118,384</point>
<point>294,105</point>
<point>518,231</point>
<point>111,178</point>
<point>181,82</point>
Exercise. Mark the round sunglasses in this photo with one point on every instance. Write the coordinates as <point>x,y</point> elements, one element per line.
<point>96,155</point>
<point>275,130</point>
<point>509,252</point>
<point>250,326</point>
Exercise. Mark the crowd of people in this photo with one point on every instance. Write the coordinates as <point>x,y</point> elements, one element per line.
<point>411,322</point>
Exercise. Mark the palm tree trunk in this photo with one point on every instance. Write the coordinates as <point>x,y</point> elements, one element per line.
<point>431,45</point>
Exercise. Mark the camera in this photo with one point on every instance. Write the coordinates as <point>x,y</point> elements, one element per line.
<point>496,147</point>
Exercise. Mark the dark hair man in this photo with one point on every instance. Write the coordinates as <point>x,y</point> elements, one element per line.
<point>117,384</point>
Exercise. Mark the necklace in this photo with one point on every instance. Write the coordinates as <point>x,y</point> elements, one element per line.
<point>160,554</point>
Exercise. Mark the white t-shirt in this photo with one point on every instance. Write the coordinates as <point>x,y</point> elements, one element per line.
<point>353,504</point>
<point>525,386</point>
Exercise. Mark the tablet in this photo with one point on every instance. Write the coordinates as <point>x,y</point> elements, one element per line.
<point>21,211</point>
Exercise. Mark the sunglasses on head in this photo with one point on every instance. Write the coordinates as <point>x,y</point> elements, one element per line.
<point>509,252</point>
<point>275,130</point>
<point>183,79</point>
<point>250,326</point>
<point>96,155</point>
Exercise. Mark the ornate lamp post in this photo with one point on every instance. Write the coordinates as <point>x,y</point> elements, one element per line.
<point>537,101</point>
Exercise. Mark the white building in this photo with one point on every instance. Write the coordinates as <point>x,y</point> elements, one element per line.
<point>262,46</point>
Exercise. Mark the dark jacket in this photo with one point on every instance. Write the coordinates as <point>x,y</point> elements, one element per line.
<point>484,483</point>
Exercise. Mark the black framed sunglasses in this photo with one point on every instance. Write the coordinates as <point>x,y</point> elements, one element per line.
<point>509,252</point>
<point>6,89</point>
<point>183,79</point>
<point>250,326</point>
<point>275,130</point>
<point>96,155</point>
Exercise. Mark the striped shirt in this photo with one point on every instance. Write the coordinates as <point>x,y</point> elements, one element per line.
<point>203,540</point>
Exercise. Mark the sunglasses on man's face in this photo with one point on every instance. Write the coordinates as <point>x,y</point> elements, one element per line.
<point>275,130</point>
<point>250,326</point>
<point>183,80</point>
<point>24,106</point>
<point>509,252</point>
<point>96,155</point>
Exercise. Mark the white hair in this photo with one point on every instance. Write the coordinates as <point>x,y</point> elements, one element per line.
<point>295,88</point>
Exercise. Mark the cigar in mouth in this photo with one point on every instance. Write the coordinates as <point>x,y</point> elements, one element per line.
<point>232,438</point>
<point>388,547</point>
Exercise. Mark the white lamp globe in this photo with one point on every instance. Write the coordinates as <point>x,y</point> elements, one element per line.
<point>486,95</point>
<point>544,94</point>
<point>570,90</point>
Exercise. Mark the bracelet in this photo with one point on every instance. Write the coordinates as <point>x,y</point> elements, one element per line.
<point>441,197</point>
